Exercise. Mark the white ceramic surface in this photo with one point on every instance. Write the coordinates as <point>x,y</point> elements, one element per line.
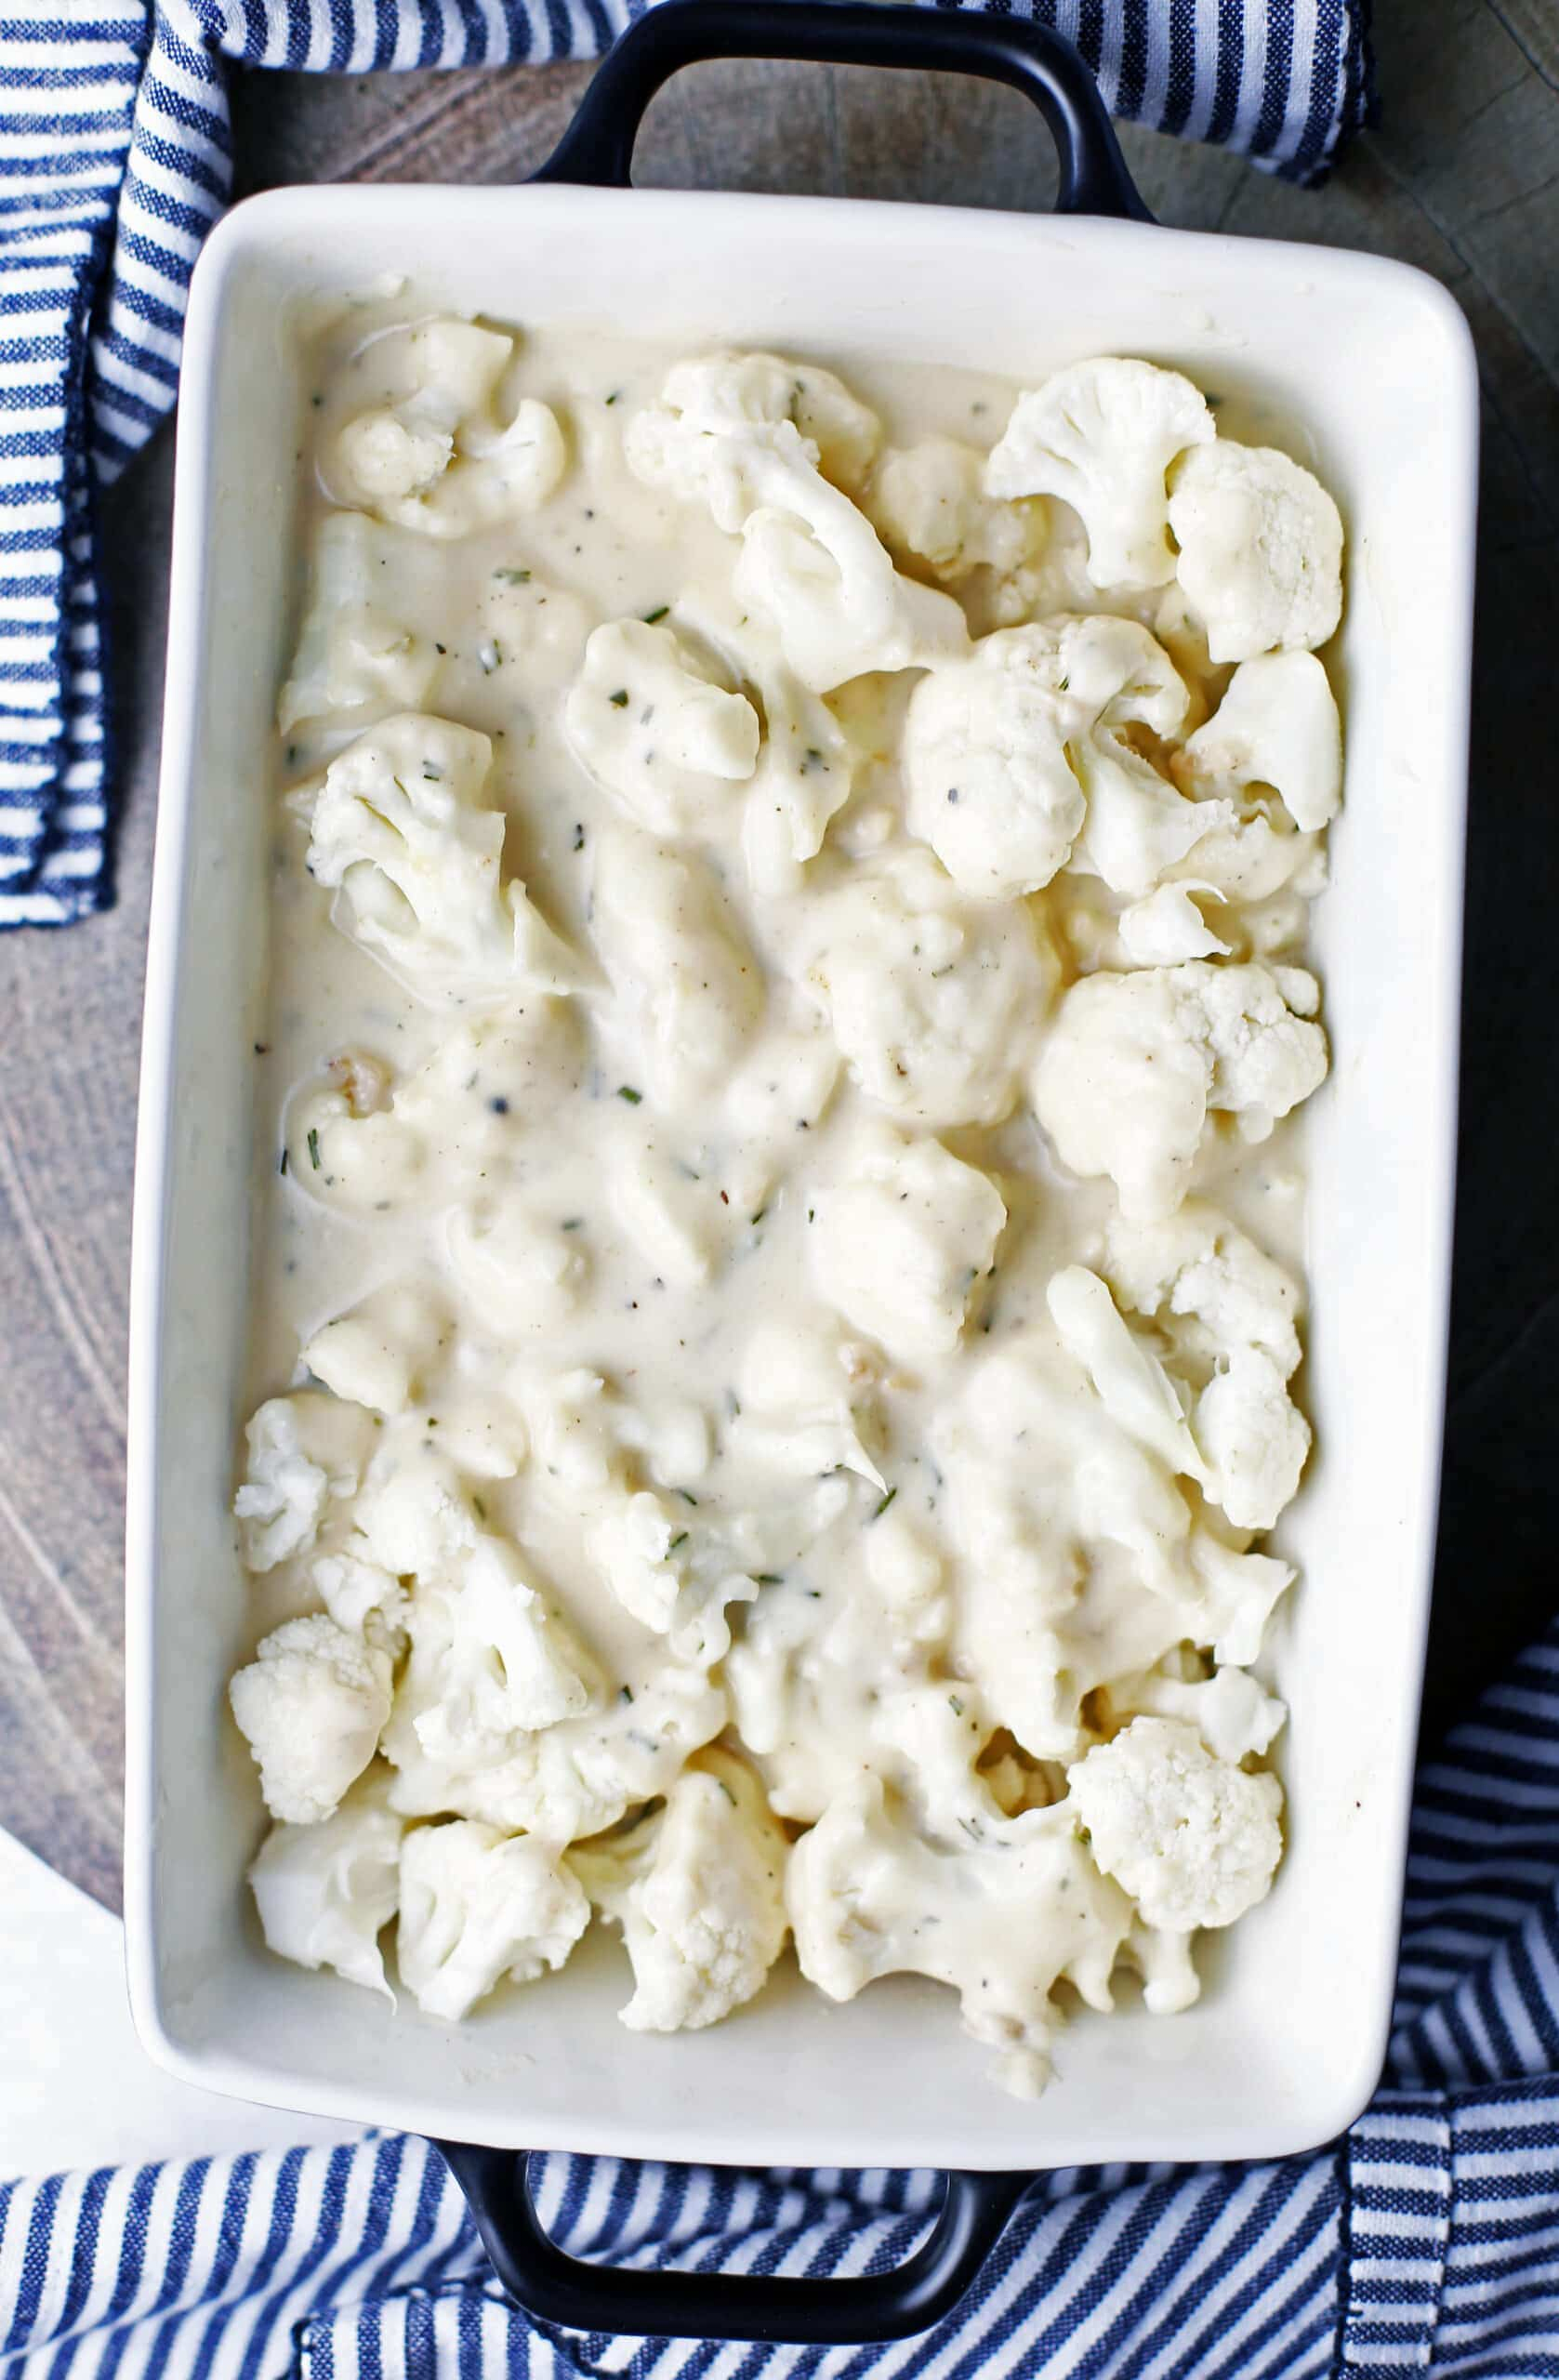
<point>1285,2044</point>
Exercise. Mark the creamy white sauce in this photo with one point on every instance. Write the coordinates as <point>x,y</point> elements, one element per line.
<point>706,1296</point>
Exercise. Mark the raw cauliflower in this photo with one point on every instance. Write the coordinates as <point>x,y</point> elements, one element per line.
<point>303,1451</point>
<point>930,997</point>
<point>1133,1064</point>
<point>477,1906</point>
<point>646,717</point>
<point>1193,1839</point>
<point>1261,549</point>
<point>1206,1282</point>
<point>898,1246</point>
<point>397,831</point>
<point>1165,927</point>
<point>1277,726</point>
<point>927,501</point>
<point>811,561</point>
<point>678,961</point>
<point>699,1891</point>
<point>351,650</point>
<point>437,459</point>
<point>1231,1711</point>
<point>310,1706</point>
<point>712,395</point>
<point>1102,435</point>
<point>1003,1918</point>
<point>326,1892</point>
<point>1254,1439</point>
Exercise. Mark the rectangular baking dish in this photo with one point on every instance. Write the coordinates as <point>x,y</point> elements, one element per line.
<point>1375,361</point>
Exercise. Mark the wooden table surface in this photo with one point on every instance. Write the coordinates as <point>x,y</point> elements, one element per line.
<point>1463,179</point>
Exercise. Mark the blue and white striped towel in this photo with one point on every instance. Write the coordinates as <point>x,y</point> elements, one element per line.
<point>1426,2241</point>
<point>115,160</point>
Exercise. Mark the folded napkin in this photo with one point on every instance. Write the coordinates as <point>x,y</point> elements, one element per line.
<point>1426,2240</point>
<point>115,160</point>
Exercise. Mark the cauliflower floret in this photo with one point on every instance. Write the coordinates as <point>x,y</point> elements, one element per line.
<point>310,1706</point>
<point>1235,1595</point>
<point>1139,828</point>
<point>326,1892</point>
<point>648,719</point>
<point>1166,928</point>
<point>452,1127</point>
<point>1102,435</point>
<point>436,458</point>
<point>1261,549</point>
<point>303,1451</point>
<point>802,1393</point>
<point>931,997</point>
<point>1277,726</point>
<point>1231,1711</point>
<point>1133,1064</point>
<point>698,1889</point>
<point>825,579</point>
<point>677,961</point>
<point>1002,1920</point>
<point>994,748</point>
<point>810,561</point>
<point>477,1906</point>
<point>351,651</point>
<point>927,501</point>
<point>1055,1554</point>
<point>1193,1839</point>
<point>1206,1282</point>
<point>375,1356</point>
<point>1129,1381</point>
<point>1254,1439</point>
<point>360,1597</point>
<point>576,1777</point>
<point>399,834</point>
<point>898,1246</point>
<point>711,394</point>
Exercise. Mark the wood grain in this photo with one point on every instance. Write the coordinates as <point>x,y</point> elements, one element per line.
<point>1463,180</point>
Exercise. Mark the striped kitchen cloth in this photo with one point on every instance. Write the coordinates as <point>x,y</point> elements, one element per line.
<point>1425,2241</point>
<point>115,160</point>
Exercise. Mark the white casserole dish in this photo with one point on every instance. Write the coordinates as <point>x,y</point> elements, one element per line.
<point>1285,2046</point>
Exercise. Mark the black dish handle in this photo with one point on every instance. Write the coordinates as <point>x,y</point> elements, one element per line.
<point>868,2309</point>
<point>597,145</point>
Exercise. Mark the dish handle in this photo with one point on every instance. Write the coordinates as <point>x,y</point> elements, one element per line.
<point>597,145</point>
<point>867,2308</point>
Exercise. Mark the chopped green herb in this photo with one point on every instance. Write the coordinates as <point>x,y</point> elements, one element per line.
<point>812,1214</point>
<point>619,700</point>
<point>769,1578</point>
<point>578,843</point>
<point>571,1223</point>
<point>292,756</point>
<point>491,657</point>
<point>626,1695</point>
<point>756,1220</point>
<point>1064,685</point>
<point>687,1498</point>
<point>886,1502</point>
<point>659,612</point>
<point>513,577</point>
<point>315,1147</point>
<point>433,775</point>
<point>478,1508</point>
<point>681,1539</point>
<point>955,1706</point>
<point>726,1790</point>
<point>813,759</point>
<point>625,1090</point>
<point>441,648</point>
<point>614,395</point>
<point>283,1167</point>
